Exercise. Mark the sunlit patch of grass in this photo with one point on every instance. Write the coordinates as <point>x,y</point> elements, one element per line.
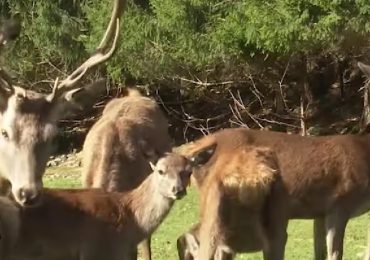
<point>62,177</point>
<point>185,213</point>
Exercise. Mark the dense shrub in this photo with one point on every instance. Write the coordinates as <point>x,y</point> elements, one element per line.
<point>197,44</point>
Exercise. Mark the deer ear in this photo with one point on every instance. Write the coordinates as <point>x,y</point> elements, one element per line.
<point>364,68</point>
<point>152,166</point>
<point>203,156</point>
<point>78,99</point>
<point>86,95</point>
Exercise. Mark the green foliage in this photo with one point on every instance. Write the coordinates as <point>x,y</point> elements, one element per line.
<point>51,31</point>
<point>166,38</point>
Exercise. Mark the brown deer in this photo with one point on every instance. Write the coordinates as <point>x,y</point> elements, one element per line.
<point>91,224</point>
<point>232,204</point>
<point>28,120</point>
<point>112,158</point>
<point>324,178</point>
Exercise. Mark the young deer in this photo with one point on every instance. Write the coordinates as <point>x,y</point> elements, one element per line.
<point>112,154</point>
<point>28,120</point>
<point>91,224</point>
<point>324,178</point>
<point>233,201</point>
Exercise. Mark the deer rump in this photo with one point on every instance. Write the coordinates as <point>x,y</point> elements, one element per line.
<point>233,201</point>
<point>115,147</point>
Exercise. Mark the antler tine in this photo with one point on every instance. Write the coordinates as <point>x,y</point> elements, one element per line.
<point>116,13</point>
<point>99,57</point>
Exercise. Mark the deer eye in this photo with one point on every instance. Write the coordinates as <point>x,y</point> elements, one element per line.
<point>4,134</point>
<point>160,172</point>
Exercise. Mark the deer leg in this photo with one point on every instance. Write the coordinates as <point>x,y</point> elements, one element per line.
<point>276,234</point>
<point>319,239</point>
<point>224,253</point>
<point>145,246</point>
<point>335,227</point>
<point>277,239</point>
<point>132,254</point>
<point>276,220</point>
<point>187,246</point>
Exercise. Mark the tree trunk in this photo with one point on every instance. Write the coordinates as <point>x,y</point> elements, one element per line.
<point>366,113</point>
<point>306,95</point>
<point>303,117</point>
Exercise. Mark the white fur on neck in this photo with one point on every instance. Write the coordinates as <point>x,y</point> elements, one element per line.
<point>156,208</point>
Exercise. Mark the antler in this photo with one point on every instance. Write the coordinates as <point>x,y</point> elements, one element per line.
<point>96,59</point>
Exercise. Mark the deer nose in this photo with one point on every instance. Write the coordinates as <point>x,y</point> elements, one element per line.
<point>179,192</point>
<point>28,197</point>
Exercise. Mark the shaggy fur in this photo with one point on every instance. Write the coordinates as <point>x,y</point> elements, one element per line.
<point>232,203</point>
<point>113,156</point>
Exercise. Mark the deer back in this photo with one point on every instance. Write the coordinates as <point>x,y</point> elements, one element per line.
<point>115,147</point>
<point>335,165</point>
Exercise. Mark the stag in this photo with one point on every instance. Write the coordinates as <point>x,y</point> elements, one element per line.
<point>112,157</point>
<point>324,178</point>
<point>28,120</point>
<point>92,224</point>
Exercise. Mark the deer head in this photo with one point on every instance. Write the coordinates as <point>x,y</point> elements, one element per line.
<point>173,171</point>
<point>172,175</point>
<point>28,120</point>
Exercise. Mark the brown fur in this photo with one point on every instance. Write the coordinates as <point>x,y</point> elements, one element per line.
<point>113,157</point>
<point>326,178</point>
<point>112,154</point>
<point>9,226</point>
<point>232,203</point>
<point>92,223</point>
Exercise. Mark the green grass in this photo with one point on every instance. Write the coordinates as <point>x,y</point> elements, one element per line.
<point>184,214</point>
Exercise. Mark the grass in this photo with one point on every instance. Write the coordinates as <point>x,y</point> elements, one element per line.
<point>184,214</point>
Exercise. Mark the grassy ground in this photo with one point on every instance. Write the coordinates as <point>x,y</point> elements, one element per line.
<point>184,214</point>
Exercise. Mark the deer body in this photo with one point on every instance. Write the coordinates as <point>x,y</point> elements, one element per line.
<point>112,154</point>
<point>95,224</point>
<point>325,178</point>
<point>113,150</point>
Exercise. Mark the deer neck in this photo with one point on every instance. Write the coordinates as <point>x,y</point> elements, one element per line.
<point>149,207</point>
